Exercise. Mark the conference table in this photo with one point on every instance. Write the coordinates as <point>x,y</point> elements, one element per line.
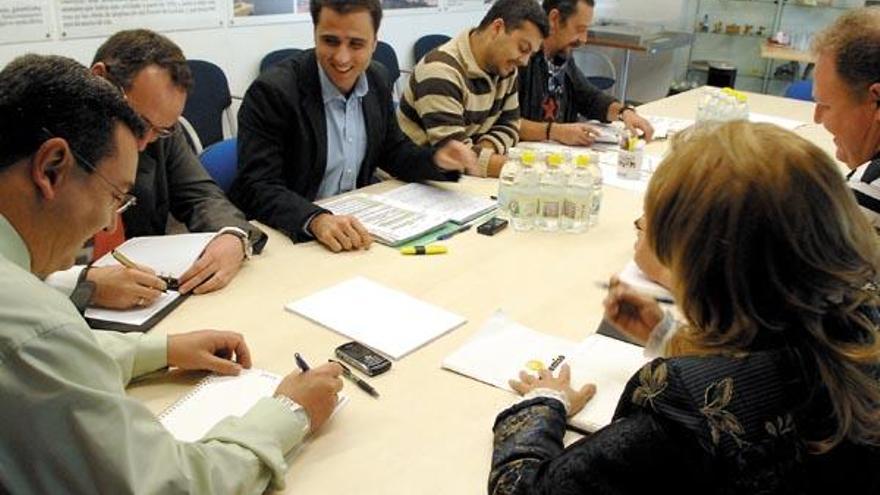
<point>430,432</point>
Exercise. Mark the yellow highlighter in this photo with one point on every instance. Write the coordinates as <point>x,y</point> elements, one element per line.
<point>430,249</point>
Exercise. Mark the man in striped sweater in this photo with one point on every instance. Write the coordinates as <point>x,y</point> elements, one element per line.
<point>466,89</point>
<point>846,88</point>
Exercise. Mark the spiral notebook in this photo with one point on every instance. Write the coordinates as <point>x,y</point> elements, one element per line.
<point>217,397</point>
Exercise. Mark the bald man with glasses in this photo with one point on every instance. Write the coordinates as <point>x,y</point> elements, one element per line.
<point>151,73</point>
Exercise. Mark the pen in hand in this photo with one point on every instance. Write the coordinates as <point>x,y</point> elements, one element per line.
<point>346,372</point>
<point>659,299</point>
<point>170,282</point>
<point>301,363</point>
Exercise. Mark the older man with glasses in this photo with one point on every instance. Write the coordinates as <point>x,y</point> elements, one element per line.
<point>150,72</point>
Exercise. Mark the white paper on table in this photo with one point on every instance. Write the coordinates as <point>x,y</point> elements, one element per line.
<point>388,321</point>
<point>502,348</point>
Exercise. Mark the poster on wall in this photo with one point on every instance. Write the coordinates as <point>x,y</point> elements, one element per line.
<point>87,18</point>
<point>389,5</point>
<point>24,20</point>
<point>466,5</point>
<point>256,12</point>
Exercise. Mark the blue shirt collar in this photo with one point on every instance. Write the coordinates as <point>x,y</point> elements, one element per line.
<point>329,91</point>
<point>12,246</point>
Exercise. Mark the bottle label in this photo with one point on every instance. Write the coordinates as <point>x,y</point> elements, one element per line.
<point>550,209</point>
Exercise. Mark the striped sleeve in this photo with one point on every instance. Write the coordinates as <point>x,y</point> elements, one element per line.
<point>865,185</point>
<point>504,133</point>
<point>432,108</point>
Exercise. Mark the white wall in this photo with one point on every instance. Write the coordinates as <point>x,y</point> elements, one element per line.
<point>238,50</point>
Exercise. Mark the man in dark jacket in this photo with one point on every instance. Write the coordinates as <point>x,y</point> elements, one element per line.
<point>151,72</point>
<point>554,94</point>
<point>320,123</point>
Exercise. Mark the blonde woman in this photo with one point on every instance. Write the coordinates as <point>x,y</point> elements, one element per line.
<point>771,385</point>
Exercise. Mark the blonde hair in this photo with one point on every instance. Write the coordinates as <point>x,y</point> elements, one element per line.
<point>768,248</point>
<point>853,41</point>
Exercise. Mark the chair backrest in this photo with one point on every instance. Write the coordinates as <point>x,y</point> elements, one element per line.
<point>385,55</point>
<point>273,58</point>
<point>221,161</point>
<point>207,101</point>
<point>427,43</point>
<point>596,66</point>
<point>800,90</point>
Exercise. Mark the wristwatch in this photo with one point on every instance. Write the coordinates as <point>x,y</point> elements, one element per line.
<point>243,237</point>
<point>624,109</point>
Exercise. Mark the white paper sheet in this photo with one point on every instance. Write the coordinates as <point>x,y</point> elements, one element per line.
<point>170,255</point>
<point>384,319</point>
<point>456,206</point>
<point>388,221</point>
<point>134,316</point>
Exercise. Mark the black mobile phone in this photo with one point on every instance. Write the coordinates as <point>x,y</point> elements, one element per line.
<point>492,226</point>
<point>363,358</point>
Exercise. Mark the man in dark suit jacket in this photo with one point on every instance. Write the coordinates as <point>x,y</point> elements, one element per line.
<point>320,123</point>
<point>151,72</point>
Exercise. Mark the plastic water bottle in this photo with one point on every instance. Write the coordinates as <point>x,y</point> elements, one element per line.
<point>524,200</point>
<point>506,178</point>
<point>551,193</point>
<point>578,196</point>
<point>597,189</point>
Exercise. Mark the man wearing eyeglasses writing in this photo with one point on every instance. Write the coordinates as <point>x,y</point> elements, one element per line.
<point>151,73</point>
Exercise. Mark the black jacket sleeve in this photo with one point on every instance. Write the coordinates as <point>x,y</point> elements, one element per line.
<point>635,454</point>
<point>268,116</point>
<point>589,101</point>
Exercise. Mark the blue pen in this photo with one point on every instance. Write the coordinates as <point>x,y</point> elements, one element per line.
<point>303,365</point>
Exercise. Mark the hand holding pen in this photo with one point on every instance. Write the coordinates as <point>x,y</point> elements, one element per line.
<point>632,312</point>
<point>315,389</point>
<point>125,286</point>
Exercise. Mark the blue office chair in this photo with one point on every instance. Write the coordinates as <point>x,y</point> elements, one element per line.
<point>800,90</point>
<point>386,56</point>
<point>221,161</point>
<point>208,104</point>
<point>427,43</point>
<point>273,58</point>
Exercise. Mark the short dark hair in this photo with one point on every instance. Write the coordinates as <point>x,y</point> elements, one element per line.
<point>566,8</point>
<point>348,6</point>
<point>128,52</point>
<point>514,13</point>
<point>58,95</point>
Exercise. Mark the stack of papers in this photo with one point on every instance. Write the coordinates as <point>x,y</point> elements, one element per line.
<point>409,211</point>
<point>388,321</point>
<point>503,348</point>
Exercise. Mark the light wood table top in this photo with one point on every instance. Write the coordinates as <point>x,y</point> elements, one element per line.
<point>430,432</point>
<point>778,52</point>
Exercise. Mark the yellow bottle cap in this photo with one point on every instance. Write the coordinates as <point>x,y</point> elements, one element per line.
<point>555,159</point>
<point>582,160</point>
<point>528,157</point>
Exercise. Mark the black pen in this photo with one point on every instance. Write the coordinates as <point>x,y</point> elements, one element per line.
<point>300,362</point>
<point>449,234</point>
<point>346,372</point>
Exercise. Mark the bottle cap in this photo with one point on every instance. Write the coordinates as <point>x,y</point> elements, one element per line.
<point>555,159</point>
<point>582,160</point>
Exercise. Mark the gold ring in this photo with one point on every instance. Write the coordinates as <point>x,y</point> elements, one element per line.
<point>141,301</point>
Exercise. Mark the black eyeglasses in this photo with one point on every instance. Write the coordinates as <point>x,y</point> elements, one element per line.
<point>161,132</point>
<point>124,199</point>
